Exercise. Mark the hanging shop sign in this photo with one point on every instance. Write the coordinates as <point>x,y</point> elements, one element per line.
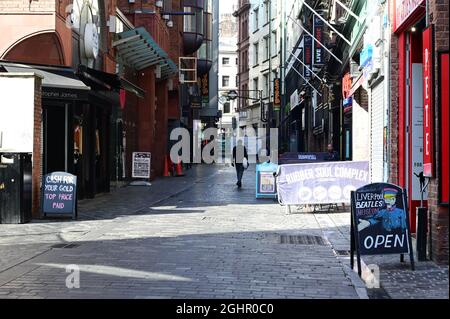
<point>428,103</point>
<point>204,89</point>
<point>277,93</point>
<point>141,165</point>
<point>380,222</point>
<point>319,52</point>
<point>307,55</point>
<point>294,100</point>
<point>59,194</point>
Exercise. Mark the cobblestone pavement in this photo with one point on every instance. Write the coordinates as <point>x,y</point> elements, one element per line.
<point>196,236</point>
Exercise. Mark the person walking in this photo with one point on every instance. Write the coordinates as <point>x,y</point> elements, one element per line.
<point>239,154</point>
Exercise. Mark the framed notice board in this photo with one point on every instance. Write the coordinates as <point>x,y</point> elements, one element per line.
<point>59,194</point>
<point>380,222</point>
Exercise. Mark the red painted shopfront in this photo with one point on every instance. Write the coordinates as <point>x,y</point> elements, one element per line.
<point>409,25</point>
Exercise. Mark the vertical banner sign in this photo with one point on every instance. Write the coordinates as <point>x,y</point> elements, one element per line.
<point>277,94</point>
<point>307,55</point>
<point>428,103</point>
<point>380,221</point>
<point>141,165</point>
<point>444,125</point>
<point>205,90</point>
<point>318,34</point>
<point>59,194</point>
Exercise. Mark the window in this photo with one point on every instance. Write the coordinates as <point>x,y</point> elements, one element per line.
<point>267,11</point>
<point>225,81</point>
<point>256,19</point>
<point>266,84</point>
<point>255,88</point>
<point>226,108</point>
<point>266,48</point>
<point>255,53</point>
<point>274,43</point>
<point>225,61</point>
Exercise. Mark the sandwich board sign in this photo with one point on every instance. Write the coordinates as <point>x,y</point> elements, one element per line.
<point>141,165</point>
<point>59,194</point>
<point>380,222</point>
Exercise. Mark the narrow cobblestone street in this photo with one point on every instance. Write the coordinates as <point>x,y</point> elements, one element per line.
<point>196,236</point>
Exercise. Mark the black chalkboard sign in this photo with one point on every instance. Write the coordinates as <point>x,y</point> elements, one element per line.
<point>380,222</point>
<point>59,194</point>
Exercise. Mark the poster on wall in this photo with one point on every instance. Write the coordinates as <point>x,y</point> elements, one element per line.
<point>141,165</point>
<point>417,117</point>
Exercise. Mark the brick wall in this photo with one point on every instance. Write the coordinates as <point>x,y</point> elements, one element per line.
<point>37,149</point>
<point>439,17</point>
<point>17,6</point>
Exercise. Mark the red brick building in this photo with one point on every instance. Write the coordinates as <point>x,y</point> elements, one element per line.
<point>419,112</point>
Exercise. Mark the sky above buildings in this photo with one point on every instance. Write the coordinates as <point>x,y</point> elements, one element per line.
<point>226,6</point>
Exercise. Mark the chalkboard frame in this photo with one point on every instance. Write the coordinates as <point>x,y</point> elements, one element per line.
<point>74,209</point>
<point>354,233</point>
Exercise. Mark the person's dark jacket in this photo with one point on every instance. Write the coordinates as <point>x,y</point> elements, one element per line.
<point>239,161</point>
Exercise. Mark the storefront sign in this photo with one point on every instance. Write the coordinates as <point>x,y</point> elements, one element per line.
<point>59,194</point>
<point>277,93</point>
<point>404,9</point>
<point>428,103</point>
<point>366,55</point>
<point>307,55</point>
<point>380,222</point>
<point>444,125</point>
<point>319,52</point>
<point>320,183</point>
<point>346,85</point>
<point>141,165</point>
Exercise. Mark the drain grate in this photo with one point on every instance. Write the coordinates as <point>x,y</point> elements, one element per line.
<point>303,240</point>
<point>342,252</point>
<point>65,246</point>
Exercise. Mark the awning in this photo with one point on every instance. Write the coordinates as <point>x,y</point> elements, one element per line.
<point>52,77</point>
<point>107,81</point>
<point>57,82</point>
<point>139,50</point>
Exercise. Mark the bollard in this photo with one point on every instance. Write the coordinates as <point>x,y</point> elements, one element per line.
<point>422,222</point>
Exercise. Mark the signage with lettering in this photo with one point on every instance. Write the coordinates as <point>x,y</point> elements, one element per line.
<point>428,103</point>
<point>319,58</point>
<point>444,125</point>
<point>277,93</point>
<point>266,186</point>
<point>320,183</point>
<point>404,9</point>
<point>59,194</point>
<point>307,55</point>
<point>141,165</point>
<point>380,221</point>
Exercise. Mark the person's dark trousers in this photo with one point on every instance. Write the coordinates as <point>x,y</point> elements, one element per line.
<point>240,173</point>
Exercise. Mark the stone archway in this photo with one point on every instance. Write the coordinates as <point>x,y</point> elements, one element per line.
<point>42,48</point>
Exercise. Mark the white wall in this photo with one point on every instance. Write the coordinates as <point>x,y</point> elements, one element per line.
<point>16,113</point>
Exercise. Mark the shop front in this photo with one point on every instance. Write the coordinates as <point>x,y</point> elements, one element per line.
<point>409,26</point>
